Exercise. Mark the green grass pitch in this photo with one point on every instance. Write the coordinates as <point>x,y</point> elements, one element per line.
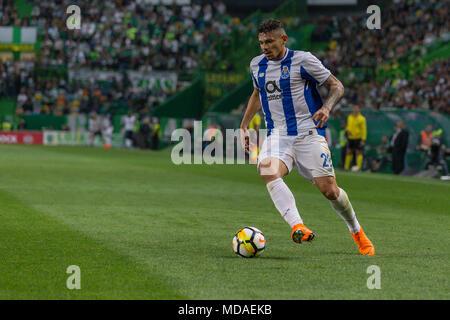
<point>140,227</point>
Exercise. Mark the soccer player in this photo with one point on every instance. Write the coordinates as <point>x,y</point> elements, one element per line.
<point>129,122</point>
<point>356,135</point>
<point>107,131</point>
<point>94,127</point>
<point>285,86</point>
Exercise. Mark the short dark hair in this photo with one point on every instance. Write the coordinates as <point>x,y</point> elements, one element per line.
<point>270,25</point>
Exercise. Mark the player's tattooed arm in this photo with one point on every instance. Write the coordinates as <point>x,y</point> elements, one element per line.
<point>335,93</point>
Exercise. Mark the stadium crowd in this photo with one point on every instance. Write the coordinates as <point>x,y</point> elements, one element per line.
<point>406,26</point>
<point>427,90</point>
<point>133,35</point>
<point>115,35</point>
<point>53,95</point>
<point>124,34</point>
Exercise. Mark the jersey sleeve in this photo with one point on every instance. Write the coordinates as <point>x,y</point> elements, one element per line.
<point>255,83</point>
<point>312,69</point>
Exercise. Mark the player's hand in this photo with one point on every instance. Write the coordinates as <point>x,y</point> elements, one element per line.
<point>362,143</point>
<point>245,139</point>
<point>322,115</point>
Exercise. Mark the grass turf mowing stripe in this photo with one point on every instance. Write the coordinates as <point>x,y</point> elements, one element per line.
<point>35,252</point>
<point>142,207</point>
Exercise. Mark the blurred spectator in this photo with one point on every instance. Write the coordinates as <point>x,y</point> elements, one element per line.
<point>399,144</point>
<point>425,138</point>
<point>143,136</point>
<point>156,134</point>
<point>6,125</point>
<point>22,125</point>
<point>437,153</point>
<point>382,155</point>
<point>21,98</point>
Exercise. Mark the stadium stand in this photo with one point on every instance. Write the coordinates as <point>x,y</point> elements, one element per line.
<point>197,53</point>
<point>424,30</point>
<point>114,36</point>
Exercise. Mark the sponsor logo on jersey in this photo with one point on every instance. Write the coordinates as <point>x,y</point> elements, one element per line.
<point>273,91</point>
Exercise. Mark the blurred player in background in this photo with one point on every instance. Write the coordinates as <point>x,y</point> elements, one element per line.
<point>128,122</point>
<point>94,127</point>
<point>356,135</point>
<point>107,131</point>
<point>285,86</point>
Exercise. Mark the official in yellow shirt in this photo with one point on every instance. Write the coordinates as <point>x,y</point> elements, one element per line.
<point>255,124</point>
<point>6,126</point>
<point>356,135</point>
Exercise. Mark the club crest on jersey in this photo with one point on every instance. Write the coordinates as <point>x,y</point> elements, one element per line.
<point>285,72</point>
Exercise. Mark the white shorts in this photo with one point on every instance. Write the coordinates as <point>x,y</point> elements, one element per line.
<point>308,151</point>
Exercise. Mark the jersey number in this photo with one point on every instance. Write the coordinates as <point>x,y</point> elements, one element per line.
<point>326,160</point>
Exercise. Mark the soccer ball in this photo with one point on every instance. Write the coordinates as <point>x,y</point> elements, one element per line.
<point>249,242</point>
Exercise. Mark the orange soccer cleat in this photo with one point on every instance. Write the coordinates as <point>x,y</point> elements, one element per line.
<point>365,246</point>
<point>301,233</point>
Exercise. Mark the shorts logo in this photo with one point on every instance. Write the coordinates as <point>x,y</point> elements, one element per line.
<point>261,74</point>
<point>285,72</point>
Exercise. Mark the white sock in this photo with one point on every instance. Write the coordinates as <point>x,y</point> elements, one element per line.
<point>284,201</point>
<point>344,209</point>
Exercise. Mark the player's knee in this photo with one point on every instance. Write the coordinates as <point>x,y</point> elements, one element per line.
<point>270,170</point>
<point>328,188</point>
<point>331,192</point>
<point>270,178</point>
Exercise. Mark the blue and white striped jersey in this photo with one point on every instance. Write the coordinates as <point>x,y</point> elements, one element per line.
<point>288,91</point>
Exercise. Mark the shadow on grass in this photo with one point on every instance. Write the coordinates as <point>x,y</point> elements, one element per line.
<point>262,257</point>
